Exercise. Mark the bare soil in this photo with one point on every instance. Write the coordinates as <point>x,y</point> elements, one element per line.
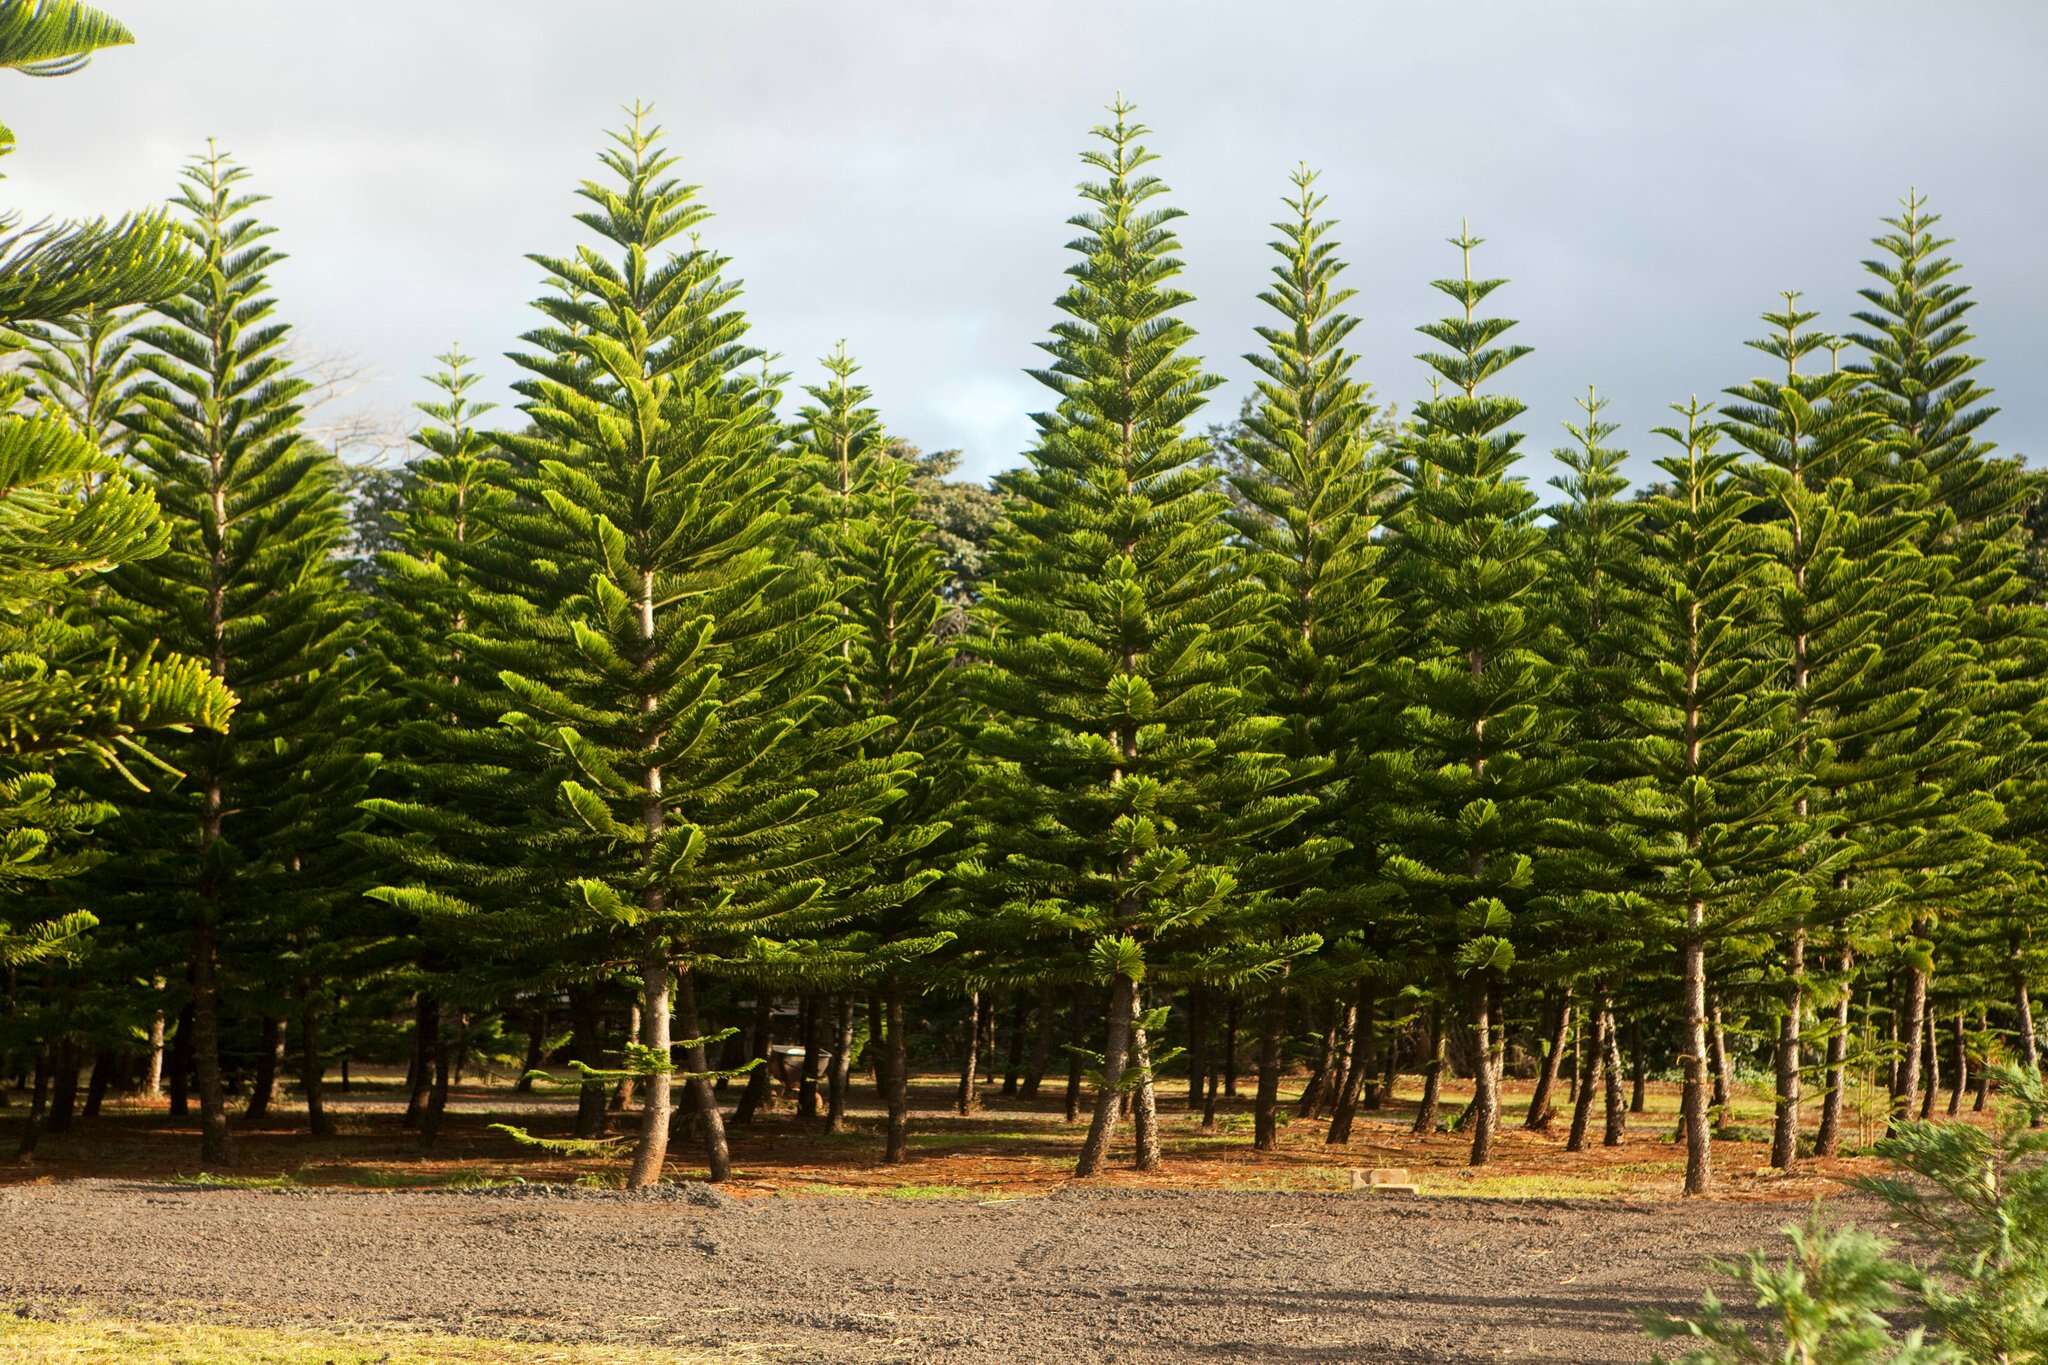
<point>1087,1272</point>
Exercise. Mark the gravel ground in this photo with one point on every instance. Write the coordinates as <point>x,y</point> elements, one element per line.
<point>1097,1274</point>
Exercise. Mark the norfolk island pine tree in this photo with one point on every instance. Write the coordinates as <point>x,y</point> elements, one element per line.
<point>679,686</point>
<point>1127,768</point>
<point>250,587</point>
<point>1309,481</point>
<point>1478,763</point>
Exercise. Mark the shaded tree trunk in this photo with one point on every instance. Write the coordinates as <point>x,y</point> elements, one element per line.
<point>1933,1081</point>
<point>1785,1124</point>
<point>38,1109</point>
<point>437,1096</point>
<point>1318,1076</point>
<point>1960,1076</point>
<point>1540,1113</point>
<point>1594,1042</point>
<point>1828,1137</point>
<point>757,1049</point>
<point>1724,1082</point>
<point>1912,1040</point>
<point>1485,1071</point>
<point>970,1065</point>
<point>181,1063</point>
<point>807,1084</point>
<point>103,1063</point>
<point>269,1055</point>
<point>63,1088</point>
<point>1076,1023</point>
<point>1144,1099</point>
<point>1432,1074</point>
<point>216,1147</point>
<point>842,1068</point>
<point>704,1104</point>
<point>1359,1066</point>
<point>426,1025</point>
<point>1198,1051</point>
<point>624,1092</point>
<point>1116,1046</point>
<point>1045,1021</point>
<point>1638,1100</point>
<point>1266,1105</point>
<point>895,1065</point>
<point>312,1068</point>
<point>586,1045</point>
<point>1617,1112</point>
<point>1230,1048</point>
<point>536,1049</point>
<point>1013,1069</point>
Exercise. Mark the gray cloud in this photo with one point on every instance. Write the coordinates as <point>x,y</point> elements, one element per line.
<point>899,174</point>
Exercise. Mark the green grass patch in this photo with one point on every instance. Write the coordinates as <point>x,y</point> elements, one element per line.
<point>209,1180</point>
<point>892,1191</point>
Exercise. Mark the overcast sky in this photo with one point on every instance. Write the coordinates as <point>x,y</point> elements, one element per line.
<point>898,174</point>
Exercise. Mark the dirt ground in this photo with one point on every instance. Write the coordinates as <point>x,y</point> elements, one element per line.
<point>1133,1275</point>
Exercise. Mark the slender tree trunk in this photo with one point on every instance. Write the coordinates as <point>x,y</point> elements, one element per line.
<point>650,1151</point>
<point>268,1056</point>
<point>181,1062</point>
<point>1595,1044</point>
<point>1540,1112</point>
<point>536,1049</point>
<point>426,1026</point>
<point>807,1083</point>
<point>1983,1096</point>
<point>1927,1092</point>
<point>586,1045</point>
<point>1617,1112</point>
<point>897,1148</point>
<point>312,1069</point>
<point>757,1079</point>
<point>1432,1074</point>
<point>970,1062</point>
<point>1266,1107</point>
<point>625,1092</point>
<point>1828,1138</point>
<point>1312,1092</point>
<point>1912,1041</point>
<point>1358,1068</point>
<point>1075,1037</point>
<point>985,1035</point>
<point>1116,1046</point>
<point>1390,1071</point>
<point>103,1063</point>
<point>153,1072</point>
<point>38,1110</point>
<point>63,1088</point>
<point>1724,1084</point>
<point>1485,1076</point>
<point>2030,1047</point>
<point>1198,1052</point>
<point>1339,1074</point>
<point>1144,1099</point>
<point>1044,1021</point>
<point>1785,1127</point>
<point>1230,1048</point>
<point>216,1147</point>
<point>1699,1155</point>
<point>710,1118</point>
<point>1638,1100</point>
<point>1013,1069</point>
<point>437,1097</point>
<point>842,1068</point>
<point>1960,1076</point>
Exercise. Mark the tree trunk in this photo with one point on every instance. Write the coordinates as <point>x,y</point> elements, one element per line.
<point>970,1063</point>
<point>1933,1084</point>
<point>1485,1072</point>
<point>1588,1077</point>
<point>312,1070</point>
<point>63,1088</point>
<point>1266,1107</point>
<point>985,1035</point>
<point>650,1151</point>
<point>1827,1138</point>
<point>1785,1127</point>
<point>1013,1069</point>
<point>1724,1082</point>
<point>1912,1042</point>
<point>1390,1070</point>
<point>710,1118</point>
<point>586,1045</point>
<point>623,1093</point>
<point>38,1108</point>
<point>1617,1113</point>
<point>1960,1075</point>
<point>1983,1096</point>
<point>268,1057</point>
<point>2030,1047</point>
<point>153,1072</point>
<point>1359,1066</point>
<point>1122,1007</point>
<point>756,1089</point>
<point>1198,1052</point>
<point>1699,1157</point>
<point>536,1049</point>
<point>103,1063</point>
<point>895,1080</point>
<point>1540,1113</point>
<point>216,1147</point>
<point>807,1083</point>
<point>181,1063</point>
<point>437,1097</point>
<point>426,1025</point>
<point>1075,1037</point>
<point>1230,1048</point>
<point>1144,1100</point>
<point>1312,1093</point>
<point>1043,1024</point>
<point>1432,1074</point>
<point>1638,1100</point>
<point>842,1068</point>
